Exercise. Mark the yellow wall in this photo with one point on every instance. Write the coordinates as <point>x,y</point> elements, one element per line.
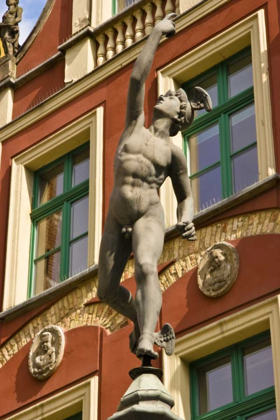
<point>1,49</point>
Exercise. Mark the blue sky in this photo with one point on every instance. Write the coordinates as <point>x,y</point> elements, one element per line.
<point>31,11</point>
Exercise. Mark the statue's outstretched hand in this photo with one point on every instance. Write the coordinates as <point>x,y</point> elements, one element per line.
<point>186,230</point>
<point>166,25</point>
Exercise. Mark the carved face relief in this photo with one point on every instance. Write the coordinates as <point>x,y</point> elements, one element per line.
<point>218,269</point>
<point>46,352</point>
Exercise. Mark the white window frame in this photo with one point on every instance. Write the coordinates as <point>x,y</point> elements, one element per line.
<point>216,336</point>
<point>249,32</point>
<point>83,397</point>
<point>88,128</point>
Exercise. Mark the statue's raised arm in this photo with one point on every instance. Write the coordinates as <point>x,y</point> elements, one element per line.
<point>141,69</point>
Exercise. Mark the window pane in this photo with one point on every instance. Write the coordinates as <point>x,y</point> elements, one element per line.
<point>79,217</point>
<point>240,75</point>
<point>78,256</point>
<point>243,128</point>
<point>210,85</point>
<point>122,4</point>
<point>215,385</point>
<point>50,184</point>
<point>258,368</point>
<point>49,233</point>
<point>267,415</point>
<point>47,272</point>
<point>80,168</point>
<point>245,170</point>
<point>207,189</point>
<point>204,148</point>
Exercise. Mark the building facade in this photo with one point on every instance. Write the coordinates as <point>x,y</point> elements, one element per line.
<point>62,112</point>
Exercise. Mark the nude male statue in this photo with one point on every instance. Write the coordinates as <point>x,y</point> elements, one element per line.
<point>9,28</point>
<point>135,220</point>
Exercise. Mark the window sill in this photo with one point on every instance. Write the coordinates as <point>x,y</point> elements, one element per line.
<point>46,296</point>
<point>75,281</point>
<point>229,203</point>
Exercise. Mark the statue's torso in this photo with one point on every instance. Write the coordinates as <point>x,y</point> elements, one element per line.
<point>141,166</point>
<point>10,16</point>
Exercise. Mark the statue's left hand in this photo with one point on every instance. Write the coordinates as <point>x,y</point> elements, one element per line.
<point>186,230</point>
<point>166,25</point>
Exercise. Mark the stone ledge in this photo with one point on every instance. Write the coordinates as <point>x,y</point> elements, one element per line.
<point>86,32</point>
<point>77,280</point>
<point>229,203</point>
<point>56,291</point>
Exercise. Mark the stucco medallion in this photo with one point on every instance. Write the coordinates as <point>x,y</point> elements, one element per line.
<point>218,269</point>
<point>46,352</point>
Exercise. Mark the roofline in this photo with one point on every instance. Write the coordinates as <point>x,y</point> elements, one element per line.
<point>36,30</point>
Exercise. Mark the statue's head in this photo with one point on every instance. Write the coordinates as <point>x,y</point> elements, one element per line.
<point>177,106</point>
<point>46,339</point>
<point>12,2</point>
<point>217,258</point>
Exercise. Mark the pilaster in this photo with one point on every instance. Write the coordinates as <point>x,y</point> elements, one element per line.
<point>7,77</point>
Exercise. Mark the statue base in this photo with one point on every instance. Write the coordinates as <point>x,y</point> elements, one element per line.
<point>146,398</point>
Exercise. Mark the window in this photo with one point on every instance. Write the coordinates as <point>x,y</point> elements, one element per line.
<point>75,403</point>
<point>59,238</point>
<point>119,5</point>
<point>235,383</point>
<point>221,146</point>
<point>250,32</point>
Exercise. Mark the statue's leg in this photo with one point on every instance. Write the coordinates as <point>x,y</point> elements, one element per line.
<point>115,250</point>
<point>147,239</point>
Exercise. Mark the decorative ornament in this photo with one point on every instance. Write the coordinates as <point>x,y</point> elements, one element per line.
<point>218,269</point>
<point>46,352</point>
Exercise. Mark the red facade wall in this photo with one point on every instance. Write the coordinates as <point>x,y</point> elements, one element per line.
<point>184,306</point>
<point>81,360</point>
<point>90,350</point>
<point>55,31</point>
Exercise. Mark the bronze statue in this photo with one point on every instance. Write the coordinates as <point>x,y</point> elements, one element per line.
<point>9,29</point>
<point>145,157</point>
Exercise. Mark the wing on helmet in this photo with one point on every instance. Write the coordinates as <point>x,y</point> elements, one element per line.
<point>201,99</point>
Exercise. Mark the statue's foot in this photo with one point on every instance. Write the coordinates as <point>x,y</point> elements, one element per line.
<point>146,346</point>
<point>134,338</point>
<point>165,338</point>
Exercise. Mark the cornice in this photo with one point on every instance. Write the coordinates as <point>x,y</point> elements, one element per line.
<point>38,69</point>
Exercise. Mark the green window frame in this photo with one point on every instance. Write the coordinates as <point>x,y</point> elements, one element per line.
<point>220,115</point>
<point>243,406</point>
<point>62,203</point>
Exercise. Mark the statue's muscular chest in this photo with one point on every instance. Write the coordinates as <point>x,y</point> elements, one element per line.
<point>145,154</point>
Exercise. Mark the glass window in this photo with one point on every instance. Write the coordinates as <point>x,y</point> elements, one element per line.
<point>119,5</point>
<point>50,184</point>
<point>235,383</point>
<point>258,368</point>
<point>215,385</point>
<point>223,143</point>
<point>240,75</point>
<point>60,221</point>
